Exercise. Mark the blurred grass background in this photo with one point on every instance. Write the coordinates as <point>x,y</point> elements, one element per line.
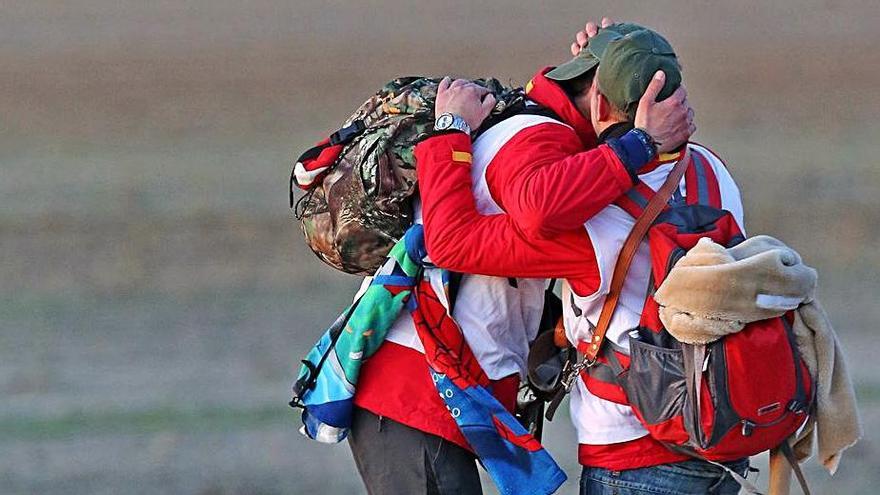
<point>155,293</point>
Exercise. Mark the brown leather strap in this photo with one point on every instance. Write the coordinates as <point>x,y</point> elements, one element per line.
<point>792,461</point>
<point>657,203</point>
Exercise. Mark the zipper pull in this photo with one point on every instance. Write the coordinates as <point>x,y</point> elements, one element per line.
<point>747,427</point>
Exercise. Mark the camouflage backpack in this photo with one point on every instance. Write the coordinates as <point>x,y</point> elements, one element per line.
<point>359,181</point>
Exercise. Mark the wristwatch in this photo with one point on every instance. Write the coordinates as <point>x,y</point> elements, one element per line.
<point>451,122</point>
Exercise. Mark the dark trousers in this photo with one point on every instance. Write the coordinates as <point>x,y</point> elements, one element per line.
<point>681,478</point>
<point>395,459</point>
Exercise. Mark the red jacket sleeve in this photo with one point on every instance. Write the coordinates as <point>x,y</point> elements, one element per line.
<point>458,238</point>
<point>543,178</point>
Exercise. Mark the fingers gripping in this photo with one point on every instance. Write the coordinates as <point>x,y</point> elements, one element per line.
<point>592,29</point>
<point>488,104</point>
<point>458,83</point>
<point>654,88</point>
<point>581,38</point>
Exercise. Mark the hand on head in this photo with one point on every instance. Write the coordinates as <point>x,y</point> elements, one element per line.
<point>669,122</point>
<point>591,29</point>
<point>464,98</point>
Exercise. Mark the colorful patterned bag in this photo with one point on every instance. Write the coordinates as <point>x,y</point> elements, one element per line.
<point>359,181</point>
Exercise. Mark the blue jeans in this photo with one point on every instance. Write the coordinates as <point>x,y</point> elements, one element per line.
<point>681,478</point>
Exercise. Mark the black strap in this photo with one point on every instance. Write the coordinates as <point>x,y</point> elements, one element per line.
<point>307,382</point>
<point>341,136</point>
<point>290,189</point>
<point>521,108</point>
<point>799,404</point>
<point>549,316</point>
<point>556,402</point>
<point>347,133</point>
<point>493,120</point>
<point>454,286</point>
<point>535,109</point>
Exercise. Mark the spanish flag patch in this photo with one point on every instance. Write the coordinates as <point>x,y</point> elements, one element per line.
<point>462,156</point>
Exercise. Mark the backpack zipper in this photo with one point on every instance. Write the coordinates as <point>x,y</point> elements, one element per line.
<point>794,407</point>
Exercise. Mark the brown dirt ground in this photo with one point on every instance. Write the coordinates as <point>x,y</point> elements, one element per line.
<point>155,293</point>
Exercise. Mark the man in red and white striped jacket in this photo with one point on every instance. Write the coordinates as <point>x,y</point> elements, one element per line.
<point>580,242</point>
<point>402,437</point>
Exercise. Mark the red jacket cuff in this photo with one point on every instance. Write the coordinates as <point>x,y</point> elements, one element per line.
<point>441,146</point>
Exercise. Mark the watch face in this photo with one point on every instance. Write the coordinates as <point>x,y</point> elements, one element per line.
<point>444,121</point>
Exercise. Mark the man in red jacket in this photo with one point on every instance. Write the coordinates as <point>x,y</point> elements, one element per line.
<point>580,243</point>
<point>402,437</point>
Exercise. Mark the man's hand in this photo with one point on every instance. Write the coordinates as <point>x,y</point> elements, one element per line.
<point>468,100</point>
<point>669,122</point>
<point>582,37</point>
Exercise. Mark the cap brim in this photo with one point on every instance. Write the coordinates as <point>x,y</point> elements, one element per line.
<point>588,59</point>
<point>575,67</point>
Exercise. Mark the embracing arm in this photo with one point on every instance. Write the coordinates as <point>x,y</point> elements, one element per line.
<point>548,184</point>
<point>458,238</point>
<point>544,179</point>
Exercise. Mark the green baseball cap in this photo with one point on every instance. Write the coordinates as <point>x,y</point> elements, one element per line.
<point>630,55</point>
<point>588,58</point>
<point>630,61</point>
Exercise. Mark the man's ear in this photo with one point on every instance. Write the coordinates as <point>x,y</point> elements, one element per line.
<point>604,110</point>
<point>591,104</point>
<point>600,108</point>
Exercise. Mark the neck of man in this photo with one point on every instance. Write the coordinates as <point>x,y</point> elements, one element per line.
<point>612,129</point>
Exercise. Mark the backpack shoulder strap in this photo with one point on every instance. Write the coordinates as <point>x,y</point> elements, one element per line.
<point>532,108</point>
<point>636,199</point>
<point>701,184</point>
<point>519,108</point>
<point>655,205</point>
<point>645,217</point>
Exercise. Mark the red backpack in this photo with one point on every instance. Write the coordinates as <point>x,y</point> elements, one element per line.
<point>738,396</point>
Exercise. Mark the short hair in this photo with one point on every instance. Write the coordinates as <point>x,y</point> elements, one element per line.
<point>629,111</point>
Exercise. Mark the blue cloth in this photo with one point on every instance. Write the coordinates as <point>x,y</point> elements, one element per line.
<point>516,462</point>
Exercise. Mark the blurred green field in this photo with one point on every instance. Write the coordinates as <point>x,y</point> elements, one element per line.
<point>155,294</point>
